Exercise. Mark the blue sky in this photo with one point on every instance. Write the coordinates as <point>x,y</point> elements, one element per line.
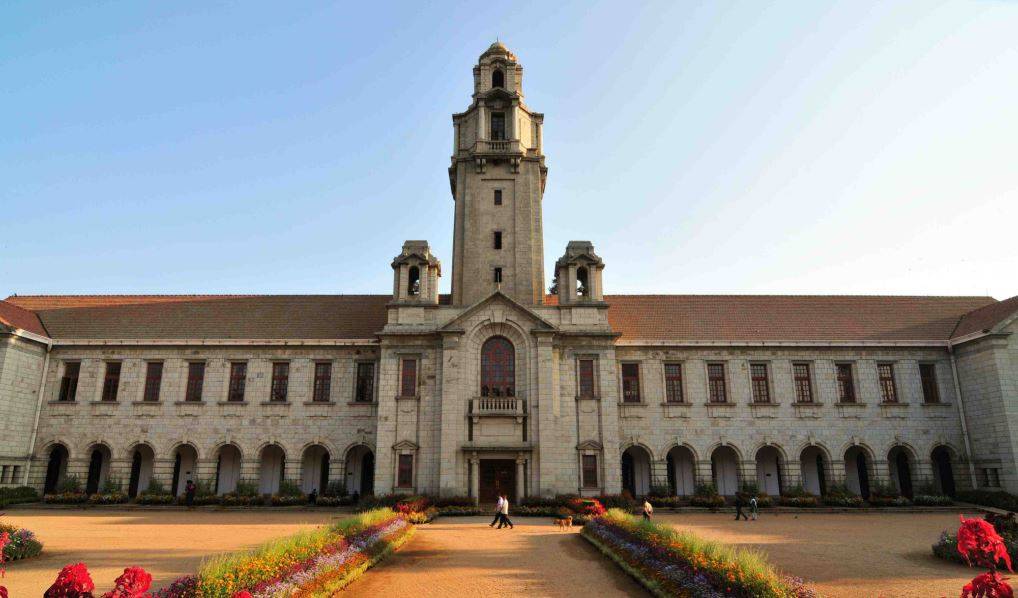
<point>716,147</point>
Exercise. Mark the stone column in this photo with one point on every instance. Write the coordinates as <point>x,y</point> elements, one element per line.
<point>519,478</point>
<point>475,478</point>
<point>452,418</point>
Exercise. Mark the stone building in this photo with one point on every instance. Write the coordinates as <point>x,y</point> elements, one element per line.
<point>500,386</point>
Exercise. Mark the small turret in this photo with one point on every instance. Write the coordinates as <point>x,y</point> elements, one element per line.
<point>579,274</point>
<point>415,274</point>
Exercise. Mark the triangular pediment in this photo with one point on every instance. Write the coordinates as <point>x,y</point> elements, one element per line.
<point>589,445</point>
<point>405,445</point>
<point>498,297</point>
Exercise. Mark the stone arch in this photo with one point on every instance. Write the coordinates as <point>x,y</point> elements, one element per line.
<point>770,468</point>
<point>636,460</point>
<point>725,460</point>
<point>859,468</point>
<point>228,459</point>
<point>681,462</point>
<point>359,469</point>
<point>816,468</point>
<point>57,458</point>
<point>271,467</point>
<point>315,461</point>
<point>945,460</point>
<point>498,77</point>
<point>142,458</point>
<point>185,457</point>
<point>100,457</point>
<point>521,341</point>
<point>902,466</point>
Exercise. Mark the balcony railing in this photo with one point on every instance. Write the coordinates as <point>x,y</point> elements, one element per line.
<point>495,147</point>
<point>514,406</point>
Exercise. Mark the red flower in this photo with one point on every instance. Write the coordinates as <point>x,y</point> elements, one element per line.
<point>242,594</point>
<point>980,544</point>
<point>987,585</point>
<point>3,592</point>
<point>72,582</point>
<point>5,539</point>
<point>134,583</point>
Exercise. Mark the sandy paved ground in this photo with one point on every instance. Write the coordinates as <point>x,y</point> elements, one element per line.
<point>167,544</point>
<point>462,556</point>
<point>846,555</point>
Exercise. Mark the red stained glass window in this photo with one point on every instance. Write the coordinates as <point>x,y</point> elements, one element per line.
<point>587,378</point>
<point>408,378</point>
<point>498,367</point>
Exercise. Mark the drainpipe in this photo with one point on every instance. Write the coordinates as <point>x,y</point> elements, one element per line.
<point>961,413</point>
<point>38,412</point>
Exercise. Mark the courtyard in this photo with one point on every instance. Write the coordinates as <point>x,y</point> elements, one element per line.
<point>848,554</point>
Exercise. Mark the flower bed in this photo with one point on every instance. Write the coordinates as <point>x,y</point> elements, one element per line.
<point>21,543</point>
<point>1005,525</point>
<point>671,563</point>
<point>312,563</point>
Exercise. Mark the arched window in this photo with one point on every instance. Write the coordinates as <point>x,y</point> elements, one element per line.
<point>498,367</point>
<point>497,78</point>
<point>414,281</point>
<point>582,283</point>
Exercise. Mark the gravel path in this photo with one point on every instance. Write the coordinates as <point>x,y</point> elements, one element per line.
<point>846,555</point>
<point>167,544</point>
<point>462,556</point>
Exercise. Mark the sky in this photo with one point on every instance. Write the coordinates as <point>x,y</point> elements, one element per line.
<point>805,147</point>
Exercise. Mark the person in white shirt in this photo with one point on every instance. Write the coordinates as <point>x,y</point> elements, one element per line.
<point>498,513</point>
<point>505,514</point>
<point>648,510</point>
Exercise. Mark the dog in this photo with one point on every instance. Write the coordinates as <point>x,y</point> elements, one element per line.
<point>564,523</point>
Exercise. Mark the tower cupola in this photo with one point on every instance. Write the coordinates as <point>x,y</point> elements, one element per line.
<point>415,274</point>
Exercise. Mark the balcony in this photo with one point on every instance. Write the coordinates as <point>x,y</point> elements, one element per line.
<point>506,147</point>
<point>498,406</point>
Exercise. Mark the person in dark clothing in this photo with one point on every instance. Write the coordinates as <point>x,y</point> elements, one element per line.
<point>189,491</point>
<point>739,503</point>
<point>313,496</point>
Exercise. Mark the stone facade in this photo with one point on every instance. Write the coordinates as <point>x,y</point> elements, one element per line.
<point>425,404</point>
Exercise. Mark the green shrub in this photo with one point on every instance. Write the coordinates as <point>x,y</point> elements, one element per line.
<point>659,492</point>
<point>107,498</point>
<point>70,484</point>
<point>155,499</point>
<point>155,487</point>
<point>246,488</point>
<point>290,488</point>
<point>798,501</point>
<point>111,485</point>
<point>750,488</point>
<point>65,498</point>
<point>204,488</point>
<point>11,496</point>
<point>990,498</point>
<point>459,501</point>
<point>705,489</point>
<point>623,501</point>
<point>713,503</point>
<point>23,543</point>
<point>335,488</point>
<point>454,511</point>
<point>932,500</point>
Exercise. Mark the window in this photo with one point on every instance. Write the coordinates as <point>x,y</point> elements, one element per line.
<point>630,382</point>
<point>498,197</point>
<point>414,281</point>
<point>498,275</point>
<point>497,126</point>
<point>497,78</point>
<point>673,383</point>
<point>153,379</point>
<point>280,381</point>
<point>69,383</point>
<point>991,477</point>
<point>928,377</point>
<point>586,374</point>
<point>195,380</point>
<point>498,239</point>
<point>498,367</point>
<point>238,379</point>
<point>716,383</point>
<point>589,471</point>
<point>581,282</point>
<point>761,383</point>
<point>365,390</point>
<point>888,391</point>
<point>405,474</point>
<point>846,385</point>
<point>323,382</point>
<point>803,385</point>
<point>408,378</point>
<point>111,383</point>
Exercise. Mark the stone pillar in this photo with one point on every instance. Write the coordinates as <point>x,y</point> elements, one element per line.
<point>475,478</point>
<point>519,478</point>
<point>452,418</point>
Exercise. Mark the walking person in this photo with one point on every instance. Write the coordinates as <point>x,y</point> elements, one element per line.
<point>739,503</point>
<point>505,514</point>
<point>189,491</point>
<point>648,510</point>
<point>498,513</point>
<point>754,508</point>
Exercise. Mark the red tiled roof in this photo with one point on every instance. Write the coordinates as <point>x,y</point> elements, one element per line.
<point>209,316</point>
<point>751,318</point>
<point>695,318</point>
<point>986,317</point>
<point>16,317</point>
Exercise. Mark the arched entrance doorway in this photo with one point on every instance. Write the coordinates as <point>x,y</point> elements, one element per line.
<point>943,470</point>
<point>814,466</point>
<point>360,470</point>
<point>681,471</point>
<point>142,458</point>
<point>858,470</point>
<point>185,463</point>
<point>768,470</point>
<point>273,464</point>
<point>56,468</point>
<point>724,465</point>
<point>227,469</point>
<point>314,469</point>
<point>636,471</point>
<point>98,468</point>
<point>901,463</point>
